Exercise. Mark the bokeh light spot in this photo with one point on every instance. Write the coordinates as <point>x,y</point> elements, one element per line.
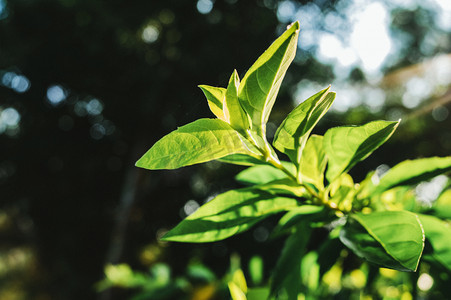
<point>10,117</point>
<point>190,207</point>
<point>94,107</point>
<point>97,131</point>
<point>425,282</point>
<point>56,94</point>
<point>150,34</point>
<point>20,83</point>
<point>285,11</point>
<point>440,113</point>
<point>204,6</point>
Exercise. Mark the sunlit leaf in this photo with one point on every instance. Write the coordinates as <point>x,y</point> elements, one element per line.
<point>215,97</point>
<point>284,187</point>
<point>287,273</point>
<point>233,111</point>
<point>235,292</point>
<point>438,233</point>
<point>342,192</point>
<point>442,207</point>
<point>229,214</point>
<point>313,162</point>
<point>392,239</point>
<point>411,172</point>
<point>345,146</point>
<point>263,173</point>
<point>294,131</point>
<point>200,141</point>
<point>261,83</point>
<point>241,159</point>
<point>239,279</point>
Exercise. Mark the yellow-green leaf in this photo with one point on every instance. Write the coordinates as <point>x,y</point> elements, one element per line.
<point>345,146</point>
<point>294,131</point>
<point>197,142</point>
<point>215,98</point>
<point>261,83</point>
<point>234,113</point>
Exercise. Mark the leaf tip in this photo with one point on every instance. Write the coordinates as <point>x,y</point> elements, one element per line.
<point>294,25</point>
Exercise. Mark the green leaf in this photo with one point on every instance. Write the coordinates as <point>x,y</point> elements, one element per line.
<point>345,146</point>
<point>438,233</point>
<point>234,113</point>
<point>215,98</point>
<point>258,293</point>
<point>304,213</point>
<point>392,239</point>
<point>242,160</point>
<point>313,162</point>
<point>229,214</point>
<point>197,142</point>
<point>287,273</point>
<point>284,187</point>
<point>260,85</point>
<point>410,172</point>
<point>442,207</point>
<point>263,174</point>
<point>292,134</point>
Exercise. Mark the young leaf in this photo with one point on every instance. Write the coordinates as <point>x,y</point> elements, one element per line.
<point>345,146</point>
<point>342,192</point>
<point>233,111</point>
<point>438,233</point>
<point>410,172</point>
<point>313,162</point>
<point>288,268</point>
<point>392,239</point>
<point>200,141</point>
<point>261,83</point>
<point>215,98</point>
<point>262,174</point>
<point>229,214</point>
<point>292,134</point>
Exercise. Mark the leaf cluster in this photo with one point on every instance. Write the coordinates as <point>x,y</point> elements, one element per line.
<point>313,188</point>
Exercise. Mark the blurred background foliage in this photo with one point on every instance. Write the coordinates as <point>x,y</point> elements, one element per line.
<point>86,87</point>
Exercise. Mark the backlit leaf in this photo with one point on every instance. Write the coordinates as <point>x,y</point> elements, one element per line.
<point>313,162</point>
<point>215,97</point>
<point>392,239</point>
<point>228,214</point>
<point>294,131</point>
<point>411,172</point>
<point>442,207</point>
<point>263,173</point>
<point>345,146</point>
<point>200,141</point>
<point>261,83</point>
<point>242,160</point>
<point>438,233</point>
<point>233,111</point>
